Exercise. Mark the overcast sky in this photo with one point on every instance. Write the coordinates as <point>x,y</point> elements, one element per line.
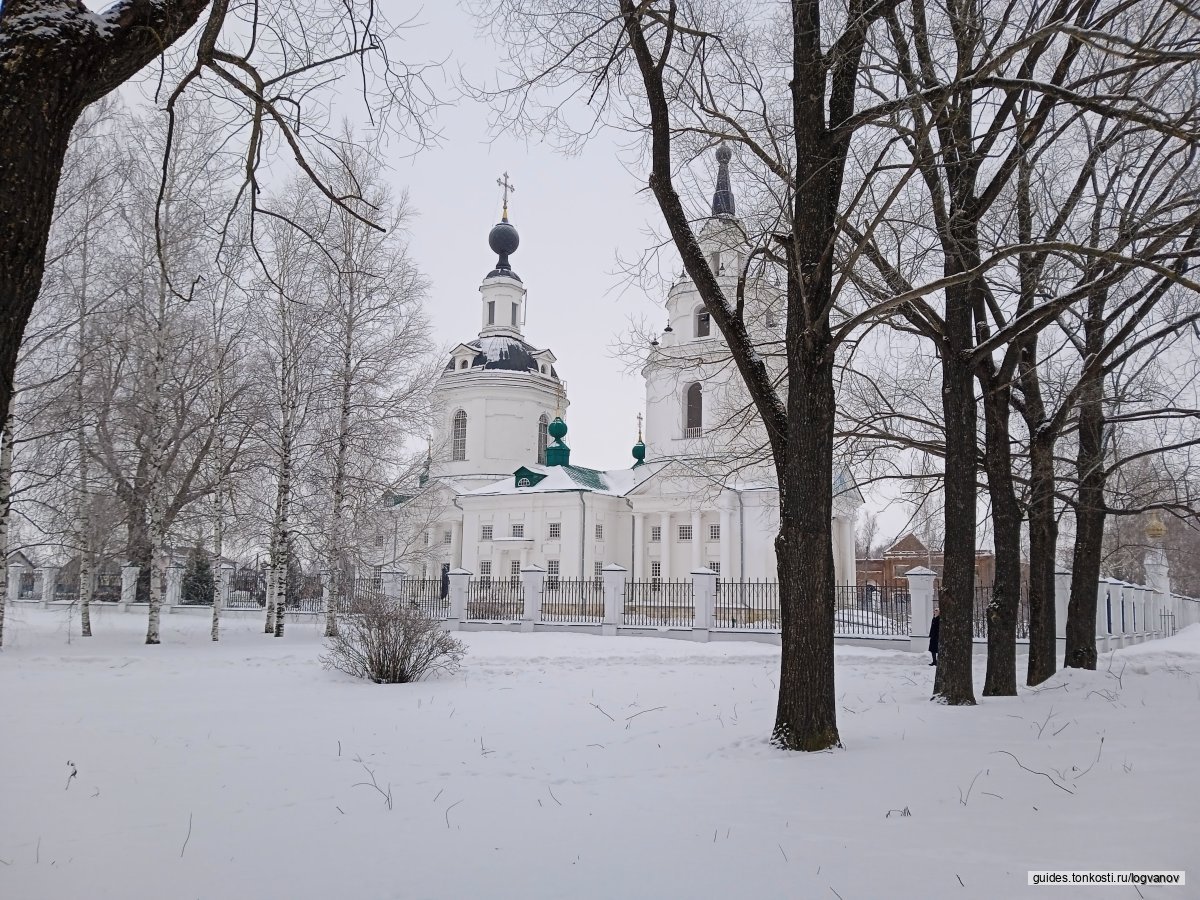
<point>577,217</point>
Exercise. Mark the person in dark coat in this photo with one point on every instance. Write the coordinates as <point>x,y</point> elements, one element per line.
<point>935,626</point>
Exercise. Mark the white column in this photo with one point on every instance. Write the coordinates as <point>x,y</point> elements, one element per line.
<point>614,598</point>
<point>727,573</point>
<point>531,585</point>
<point>456,543</point>
<point>665,526</point>
<point>920,590</point>
<point>129,577</point>
<point>639,546</point>
<point>49,580</point>
<point>697,541</point>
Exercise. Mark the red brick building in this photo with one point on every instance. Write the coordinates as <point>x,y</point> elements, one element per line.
<point>907,552</point>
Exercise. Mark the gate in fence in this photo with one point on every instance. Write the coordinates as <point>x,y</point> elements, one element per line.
<point>1167,622</point>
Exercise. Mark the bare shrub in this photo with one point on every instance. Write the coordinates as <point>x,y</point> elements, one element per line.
<point>389,642</point>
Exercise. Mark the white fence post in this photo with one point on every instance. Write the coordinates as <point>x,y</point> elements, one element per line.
<point>49,580</point>
<point>227,571</point>
<point>458,579</point>
<point>614,598</point>
<point>1062,599</point>
<point>174,586</point>
<point>1103,605</point>
<point>15,570</point>
<point>532,578</point>
<point>920,592</point>
<point>704,597</point>
<point>129,579</point>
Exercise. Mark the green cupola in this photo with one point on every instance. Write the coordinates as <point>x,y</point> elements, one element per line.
<point>558,453</point>
<point>639,449</point>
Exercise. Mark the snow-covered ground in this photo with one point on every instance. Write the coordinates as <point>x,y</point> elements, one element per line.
<point>569,766</point>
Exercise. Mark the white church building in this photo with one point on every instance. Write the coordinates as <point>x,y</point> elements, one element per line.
<point>508,493</point>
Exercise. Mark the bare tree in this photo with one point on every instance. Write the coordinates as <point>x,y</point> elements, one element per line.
<point>57,57</point>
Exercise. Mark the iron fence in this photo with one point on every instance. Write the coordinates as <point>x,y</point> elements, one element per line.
<point>984,595</point>
<point>576,600</point>
<point>659,603</point>
<point>427,594</point>
<point>867,609</point>
<point>1166,622</point>
<point>495,599</point>
<point>747,605</point>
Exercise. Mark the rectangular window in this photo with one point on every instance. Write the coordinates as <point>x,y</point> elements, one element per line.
<point>485,570</point>
<point>598,569</point>
<point>716,567</point>
<point>514,569</point>
<point>447,537</point>
<point>703,324</point>
<point>491,312</point>
<point>685,532</point>
<point>514,315</point>
<point>518,531</point>
<point>380,540</point>
<point>714,532</point>
<point>555,531</point>
<point>425,537</point>
<point>655,570</point>
<point>485,532</point>
<point>599,532</point>
<point>552,574</point>
<point>655,534</point>
<point>376,577</point>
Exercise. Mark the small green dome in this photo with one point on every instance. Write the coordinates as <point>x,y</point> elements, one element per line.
<point>639,453</point>
<point>558,429</point>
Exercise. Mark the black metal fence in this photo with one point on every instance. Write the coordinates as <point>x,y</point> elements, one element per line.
<point>868,609</point>
<point>495,599</point>
<point>747,605</point>
<point>575,600</point>
<point>658,603</point>
<point>1166,622</point>
<point>428,594</point>
<point>984,595</point>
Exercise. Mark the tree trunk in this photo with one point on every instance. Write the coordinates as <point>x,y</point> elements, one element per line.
<point>1043,547</point>
<point>6,455</point>
<point>337,517</point>
<point>84,500</point>
<point>1089,516</point>
<point>219,575</point>
<point>954,683</point>
<point>806,716</point>
<point>1001,678</point>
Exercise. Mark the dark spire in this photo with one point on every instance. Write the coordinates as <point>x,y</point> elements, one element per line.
<point>722,202</point>
<point>503,238</point>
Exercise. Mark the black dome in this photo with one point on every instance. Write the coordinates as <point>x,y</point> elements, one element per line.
<point>503,239</point>
<point>503,353</point>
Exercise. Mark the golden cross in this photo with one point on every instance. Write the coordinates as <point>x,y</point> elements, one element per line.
<point>508,186</point>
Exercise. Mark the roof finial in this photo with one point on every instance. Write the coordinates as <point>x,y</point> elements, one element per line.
<point>639,449</point>
<point>722,202</point>
<point>508,187</point>
<point>639,417</point>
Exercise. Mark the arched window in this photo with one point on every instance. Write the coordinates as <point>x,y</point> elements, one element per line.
<point>463,364</point>
<point>693,425</point>
<point>458,437</point>
<point>703,323</point>
<point>543,438</point>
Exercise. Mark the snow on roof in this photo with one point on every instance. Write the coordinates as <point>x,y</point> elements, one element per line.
<point>613,483</point>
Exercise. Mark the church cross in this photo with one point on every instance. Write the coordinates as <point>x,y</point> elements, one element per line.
<point>639,426</point>
<point>508,187</point>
